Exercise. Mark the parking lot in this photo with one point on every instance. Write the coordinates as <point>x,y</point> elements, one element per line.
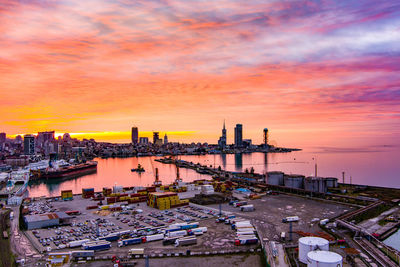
<point>132,221</point>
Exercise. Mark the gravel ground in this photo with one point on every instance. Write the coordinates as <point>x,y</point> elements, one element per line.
<point>270,210</point>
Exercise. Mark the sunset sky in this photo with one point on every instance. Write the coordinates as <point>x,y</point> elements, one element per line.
<point>313,72</point>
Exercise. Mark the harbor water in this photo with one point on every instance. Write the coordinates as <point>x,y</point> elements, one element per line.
<point>378,167</point>
<point>393,240</point>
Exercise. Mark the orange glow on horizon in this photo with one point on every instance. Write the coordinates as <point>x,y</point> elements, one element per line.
<point>118,137</point>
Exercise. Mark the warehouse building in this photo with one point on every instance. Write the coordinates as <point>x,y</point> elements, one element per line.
<point>46,220</point>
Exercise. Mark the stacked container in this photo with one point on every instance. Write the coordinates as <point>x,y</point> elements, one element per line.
<point>66,195</point>
<point>87,192</point>
<point>164,200</point>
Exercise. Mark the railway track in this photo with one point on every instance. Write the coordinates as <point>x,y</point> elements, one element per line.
<point>375,253</point>
<point>350,214</point>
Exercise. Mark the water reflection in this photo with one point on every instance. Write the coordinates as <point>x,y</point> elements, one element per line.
<point>266,162</point>
<point>373,168</point>
<point>223,160</point>
<point>238,161</point>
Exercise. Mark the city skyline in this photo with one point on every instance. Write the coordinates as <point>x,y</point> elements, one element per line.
<point>315,74</point>
<point>125,136</point>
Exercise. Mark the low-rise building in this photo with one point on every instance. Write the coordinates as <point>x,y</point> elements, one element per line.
<point>37,221</point>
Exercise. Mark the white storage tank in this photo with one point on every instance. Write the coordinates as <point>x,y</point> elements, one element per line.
<point>310,243</point>
<point>321,258</point>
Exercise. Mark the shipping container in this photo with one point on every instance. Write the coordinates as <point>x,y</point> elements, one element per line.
<point>186,241</point>
<point>97,245</point>
<point>156,237</point>
<point>110,237</point>
<point>130,241</point>
<point>290,219</point>
<point>136,251</point>
<point>244,224</point>
<point>176,233</point>
<point>77,243</point>
<point>169,241</point>
<point>240,203</point>
<point>176,228</point>
<point>66,195</point>
<point>283,236</point>
<point>82,253</point>
<point>190,226</point>
<point>196,231</point>
<point>73,212</point>
<point>245,229</point>
<point>247,208</point>
<point>245,233</point>
<point>125,232</point>
<point>246,241</point>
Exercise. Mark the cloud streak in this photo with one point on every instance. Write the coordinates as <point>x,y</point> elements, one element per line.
<point>85,66</point>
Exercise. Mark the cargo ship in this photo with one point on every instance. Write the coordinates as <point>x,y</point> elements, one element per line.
<point>65,171</point>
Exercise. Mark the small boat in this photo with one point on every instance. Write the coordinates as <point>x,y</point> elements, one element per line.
<point>138,169</point>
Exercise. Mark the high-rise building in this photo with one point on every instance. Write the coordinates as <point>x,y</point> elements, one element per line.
<point>3,138</point>
<point>222,139</point>
<point>156,136</point>
<point>239,135</point>
<point>42,137</point>
<point>165,139</point>
<point>29,144</point>
<point>135,135</point>
<point>144,140</point>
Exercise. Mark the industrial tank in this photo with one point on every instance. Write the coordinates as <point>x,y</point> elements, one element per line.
<point>294,181</point>
<point>275,178</point>
<point>331,182</point>
<point>320,258</point>
<point>310,243</point>
<point>315,184</point>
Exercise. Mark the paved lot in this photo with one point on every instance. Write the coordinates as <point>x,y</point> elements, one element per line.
<point>218,236</point>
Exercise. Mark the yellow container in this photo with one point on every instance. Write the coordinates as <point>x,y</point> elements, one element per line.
<point>104,207</point>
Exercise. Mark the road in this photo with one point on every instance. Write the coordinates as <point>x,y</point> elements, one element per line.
<point>20,244</point>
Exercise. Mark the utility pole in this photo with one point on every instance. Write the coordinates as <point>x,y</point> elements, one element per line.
<point>343,177</point>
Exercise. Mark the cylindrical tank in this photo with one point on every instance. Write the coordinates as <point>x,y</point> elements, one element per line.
<point>310,243</point>
<point>275,178</point>
<point>331,182</point>
<point>320,258</point>
<point>294,181</point>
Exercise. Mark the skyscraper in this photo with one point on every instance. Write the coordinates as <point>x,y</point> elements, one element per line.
<point>156,136</point>
<point>3,137</point>
<point>165,139</point>
<point>29,144</point>
<point>222,139</point>
<point>239,135</point>
<point>144,140</point>
<point>135,135</point>
<point>42,137</point>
